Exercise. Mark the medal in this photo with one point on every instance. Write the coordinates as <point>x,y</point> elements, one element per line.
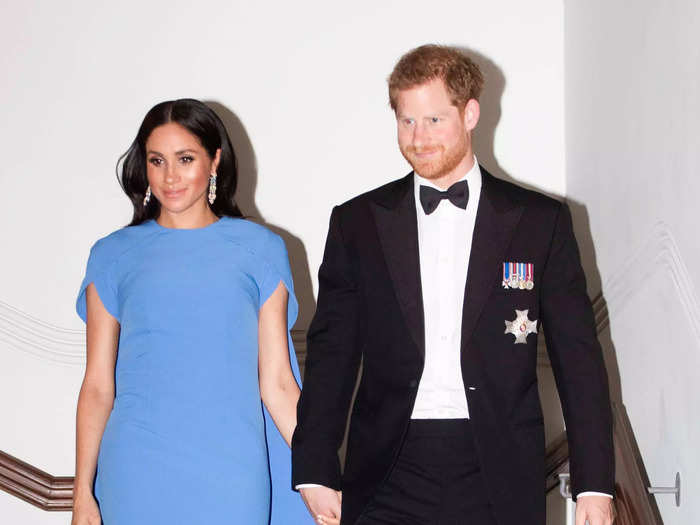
<point>521,326</point>
<point>521,276</point>
<point>513,275</point>
<point>518,276</point>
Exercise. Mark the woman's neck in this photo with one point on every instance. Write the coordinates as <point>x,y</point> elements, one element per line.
<point>189,219</point>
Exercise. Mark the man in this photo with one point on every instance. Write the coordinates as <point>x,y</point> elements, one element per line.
<point>419,279</point>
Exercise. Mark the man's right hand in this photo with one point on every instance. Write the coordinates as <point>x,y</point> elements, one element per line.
<point>323,504</point>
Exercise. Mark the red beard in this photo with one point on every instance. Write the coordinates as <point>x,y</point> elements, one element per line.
<point>438,165</point>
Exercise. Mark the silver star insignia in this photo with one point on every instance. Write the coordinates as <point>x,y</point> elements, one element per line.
<point>521,327</point>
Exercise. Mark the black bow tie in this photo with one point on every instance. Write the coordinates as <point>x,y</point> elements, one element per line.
<point>458,194</point>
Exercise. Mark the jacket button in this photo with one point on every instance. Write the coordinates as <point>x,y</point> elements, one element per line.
<point>413,383</point>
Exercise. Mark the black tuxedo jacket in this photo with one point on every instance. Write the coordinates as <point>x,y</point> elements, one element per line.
<point>370,311</point>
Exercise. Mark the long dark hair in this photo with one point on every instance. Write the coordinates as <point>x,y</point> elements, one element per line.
<point>204,124</point>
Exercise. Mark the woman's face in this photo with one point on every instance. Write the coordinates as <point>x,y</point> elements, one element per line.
<point>178,168</point>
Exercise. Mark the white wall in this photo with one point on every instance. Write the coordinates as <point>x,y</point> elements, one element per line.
<point>306,83</point>
<point>633,159</point>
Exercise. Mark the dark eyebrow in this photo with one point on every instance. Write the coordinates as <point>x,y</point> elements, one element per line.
<point>154,152</point>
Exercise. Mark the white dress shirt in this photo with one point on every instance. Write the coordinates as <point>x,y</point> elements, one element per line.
<point>444,246</point>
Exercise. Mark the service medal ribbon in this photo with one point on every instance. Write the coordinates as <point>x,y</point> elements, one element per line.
<point>518,275</point>
<point>513,281</point>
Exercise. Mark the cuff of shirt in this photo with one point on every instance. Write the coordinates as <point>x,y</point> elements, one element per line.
<point>307,486</point>
<point>583,494</point>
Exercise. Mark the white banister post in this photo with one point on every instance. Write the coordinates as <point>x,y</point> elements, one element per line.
<point>565,491</point>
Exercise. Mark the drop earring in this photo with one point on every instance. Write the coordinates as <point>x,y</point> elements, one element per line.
<point>147,198</point>
<point>212,188</point>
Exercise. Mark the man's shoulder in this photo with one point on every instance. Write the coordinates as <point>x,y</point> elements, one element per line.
<point>529,198</point>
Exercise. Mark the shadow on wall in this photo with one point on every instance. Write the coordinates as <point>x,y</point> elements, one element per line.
<point>634,505</point>
<point>490,114</point>
<point>490,106</point>
<point>245,198</point>
<point>584,237</point>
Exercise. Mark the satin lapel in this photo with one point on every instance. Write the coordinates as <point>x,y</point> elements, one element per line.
<point>397,227</point>
<point>496,219</point>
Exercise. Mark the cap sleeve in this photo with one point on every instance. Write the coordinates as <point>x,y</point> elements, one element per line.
<point>100,269</point>
<point>286,506</point>
<point>276,269</point>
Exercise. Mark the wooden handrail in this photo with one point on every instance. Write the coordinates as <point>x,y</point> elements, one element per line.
<point>635,506</point>
<point>35,486</point>
<point>556,461</point>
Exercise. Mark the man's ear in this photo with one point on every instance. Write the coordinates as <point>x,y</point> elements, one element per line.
<point>471,114</point>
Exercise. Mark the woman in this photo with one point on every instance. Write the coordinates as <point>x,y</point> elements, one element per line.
<point>188,311</point>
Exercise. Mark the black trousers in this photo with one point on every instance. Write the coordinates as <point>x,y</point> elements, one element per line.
<point>436,480</point>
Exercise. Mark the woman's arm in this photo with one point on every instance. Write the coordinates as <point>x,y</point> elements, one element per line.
<point>278,388</point>
<point>94,403</point>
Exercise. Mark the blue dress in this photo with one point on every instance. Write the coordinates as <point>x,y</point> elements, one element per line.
<point>188,440</point>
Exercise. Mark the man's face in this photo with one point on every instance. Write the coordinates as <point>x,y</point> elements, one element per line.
<point>434,136</point>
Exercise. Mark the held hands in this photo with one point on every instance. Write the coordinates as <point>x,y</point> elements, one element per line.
<point>86,511</point>
<point>594,510</point>
<point>323,504</point>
